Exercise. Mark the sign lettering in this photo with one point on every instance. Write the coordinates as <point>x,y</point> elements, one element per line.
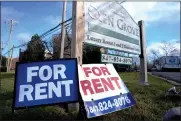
<point>116,59</point>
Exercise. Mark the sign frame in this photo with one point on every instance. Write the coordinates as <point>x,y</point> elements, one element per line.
<point>42,105</point>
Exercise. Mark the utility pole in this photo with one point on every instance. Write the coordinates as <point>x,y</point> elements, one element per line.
<point>63,39</point>
<point>63,30</point>
<point>11,58</point>
<point>10,43</point>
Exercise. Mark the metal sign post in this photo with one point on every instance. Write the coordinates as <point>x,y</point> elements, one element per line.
<point>143,62</point>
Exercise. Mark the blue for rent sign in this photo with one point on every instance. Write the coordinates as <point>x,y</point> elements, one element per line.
<point>46,82</point>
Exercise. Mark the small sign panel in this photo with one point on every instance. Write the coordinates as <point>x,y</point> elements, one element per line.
<point>45,83</point>
<point>116,59</point>
<point>102,90</point>
<point>113,52</point>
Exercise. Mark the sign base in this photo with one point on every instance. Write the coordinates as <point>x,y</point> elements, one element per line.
<point>144,83</point>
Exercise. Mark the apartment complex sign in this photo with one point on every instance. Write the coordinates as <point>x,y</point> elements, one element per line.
<point>108,24</point>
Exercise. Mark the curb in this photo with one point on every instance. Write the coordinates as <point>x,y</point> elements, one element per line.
<point>170,81</point>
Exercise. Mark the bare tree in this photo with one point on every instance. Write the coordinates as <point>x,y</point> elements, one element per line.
<point>178,41</point>
<point>156,53</point>
<point>56,42</point>
<point>175,52</point>
<point>167,47</point>
<point>153,55</point>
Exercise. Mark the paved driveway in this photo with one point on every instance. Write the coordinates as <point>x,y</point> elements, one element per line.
<point>175,76</point>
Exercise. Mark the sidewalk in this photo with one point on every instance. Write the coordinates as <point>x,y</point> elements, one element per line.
<point>165,79</point>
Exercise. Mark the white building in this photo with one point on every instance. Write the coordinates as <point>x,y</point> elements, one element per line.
<point>47,54</point>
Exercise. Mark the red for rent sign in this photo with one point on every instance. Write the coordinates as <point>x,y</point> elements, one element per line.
<point>102,89</point>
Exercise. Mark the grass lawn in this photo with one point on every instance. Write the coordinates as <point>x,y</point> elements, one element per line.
<point>151,104</point>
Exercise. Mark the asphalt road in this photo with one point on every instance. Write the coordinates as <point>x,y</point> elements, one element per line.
<point>175,76</point>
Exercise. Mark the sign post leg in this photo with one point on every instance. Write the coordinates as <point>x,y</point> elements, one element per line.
<point>82,112</point>
<point>13,114</point>
<point>143,62</point>
<point>77,39</point>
